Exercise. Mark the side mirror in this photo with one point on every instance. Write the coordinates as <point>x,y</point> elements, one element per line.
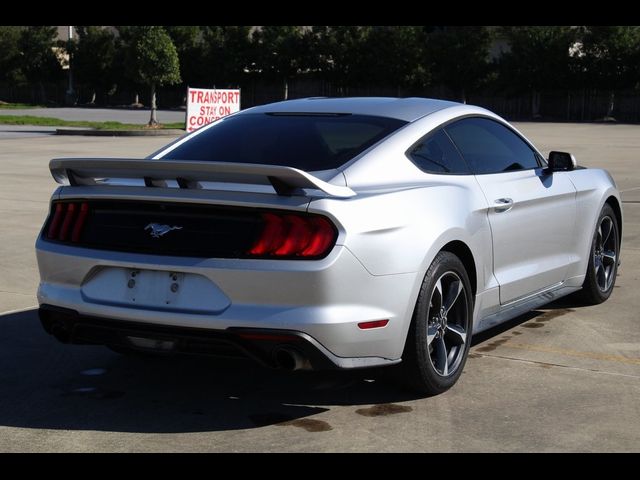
<point>561,162</point>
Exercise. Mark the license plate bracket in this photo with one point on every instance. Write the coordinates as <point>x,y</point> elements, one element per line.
<point>154,289</point>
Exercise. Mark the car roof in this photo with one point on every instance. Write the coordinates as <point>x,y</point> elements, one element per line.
<point>407,109</point>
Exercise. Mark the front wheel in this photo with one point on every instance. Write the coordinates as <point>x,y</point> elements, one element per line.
<point>603,258</point>
<point>440,334</point>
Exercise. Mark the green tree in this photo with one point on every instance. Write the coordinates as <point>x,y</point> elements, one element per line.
<point>190,45</point>
<point>392,56</point>
<point>458,57</point>
<point>228,54</point>
<point>153,61</point>
<point>10,54</point>
<point>609,57</point>
<point>281,52</point>
<point>94,55</point>
<point>38,62</point>
<point>339,55</point>
<point>538,59</point>
<point>127,79</point>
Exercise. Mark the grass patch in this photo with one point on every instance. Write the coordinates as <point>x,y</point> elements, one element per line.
<point>15,106</point>
<point>56,122</point>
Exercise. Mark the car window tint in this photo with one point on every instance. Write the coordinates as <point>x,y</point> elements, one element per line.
<point>436,154</point>
<point>305,141</point>
<point>489,147</point>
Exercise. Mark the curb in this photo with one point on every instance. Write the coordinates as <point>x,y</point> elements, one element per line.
<point>120,133</point>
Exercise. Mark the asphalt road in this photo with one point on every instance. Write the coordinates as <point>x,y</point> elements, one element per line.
<point>564,378</point>
<point>140,116</point>
<point>27,131</point>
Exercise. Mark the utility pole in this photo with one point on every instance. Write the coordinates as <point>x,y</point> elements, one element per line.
<point>70,94</point>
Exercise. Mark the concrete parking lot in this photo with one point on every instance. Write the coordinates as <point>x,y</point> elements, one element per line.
<point>563,378</point>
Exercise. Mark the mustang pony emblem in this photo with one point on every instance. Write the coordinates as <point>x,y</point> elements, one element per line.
<point>158,230</point>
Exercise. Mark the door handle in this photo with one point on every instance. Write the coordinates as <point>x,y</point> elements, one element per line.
<point>503,205</point>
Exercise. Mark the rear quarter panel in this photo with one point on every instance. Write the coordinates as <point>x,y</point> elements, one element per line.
<point>401,231</point>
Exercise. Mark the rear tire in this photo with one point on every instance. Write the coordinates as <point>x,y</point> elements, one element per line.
<point>603,259</point>
<point>440,334</point>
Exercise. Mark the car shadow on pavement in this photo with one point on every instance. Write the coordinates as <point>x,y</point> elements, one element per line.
<point>45,384</point>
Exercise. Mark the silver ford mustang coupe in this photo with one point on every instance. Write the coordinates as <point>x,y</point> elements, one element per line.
<point>325,233</point>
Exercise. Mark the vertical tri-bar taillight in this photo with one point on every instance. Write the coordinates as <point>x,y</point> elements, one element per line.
<point>292,235</point>
<point>68,221</point>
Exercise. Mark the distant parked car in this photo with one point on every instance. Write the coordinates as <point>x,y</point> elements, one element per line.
<point>325,233</point>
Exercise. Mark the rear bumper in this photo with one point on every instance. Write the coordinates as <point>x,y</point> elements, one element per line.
<point>261,345</point>
<point>320,301</point>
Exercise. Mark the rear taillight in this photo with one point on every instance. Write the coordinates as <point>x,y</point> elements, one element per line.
<point>294,236</point>
<point>68,221</point>
<point>54,226</point>
<point>79,223</point>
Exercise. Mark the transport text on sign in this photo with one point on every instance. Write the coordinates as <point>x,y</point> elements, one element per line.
<point>205,105</point>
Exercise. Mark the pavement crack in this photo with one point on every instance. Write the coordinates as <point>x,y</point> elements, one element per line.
<point>559,365</point>
<point>575,353</point>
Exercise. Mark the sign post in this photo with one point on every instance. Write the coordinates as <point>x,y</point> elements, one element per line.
<point>206,105</point>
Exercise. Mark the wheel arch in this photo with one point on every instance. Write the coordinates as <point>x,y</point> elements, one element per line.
<point>617,209</point>
<point>463,252</point>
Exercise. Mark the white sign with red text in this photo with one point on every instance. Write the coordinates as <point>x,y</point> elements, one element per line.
<point>205,105</point>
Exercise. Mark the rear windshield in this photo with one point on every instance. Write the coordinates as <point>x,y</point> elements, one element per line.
<point>305,141</point>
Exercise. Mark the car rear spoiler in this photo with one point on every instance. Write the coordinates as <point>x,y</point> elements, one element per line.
<point>285,180</point>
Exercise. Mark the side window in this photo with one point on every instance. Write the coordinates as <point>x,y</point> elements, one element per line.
<point>490,147</point>
<point>436,154</point>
